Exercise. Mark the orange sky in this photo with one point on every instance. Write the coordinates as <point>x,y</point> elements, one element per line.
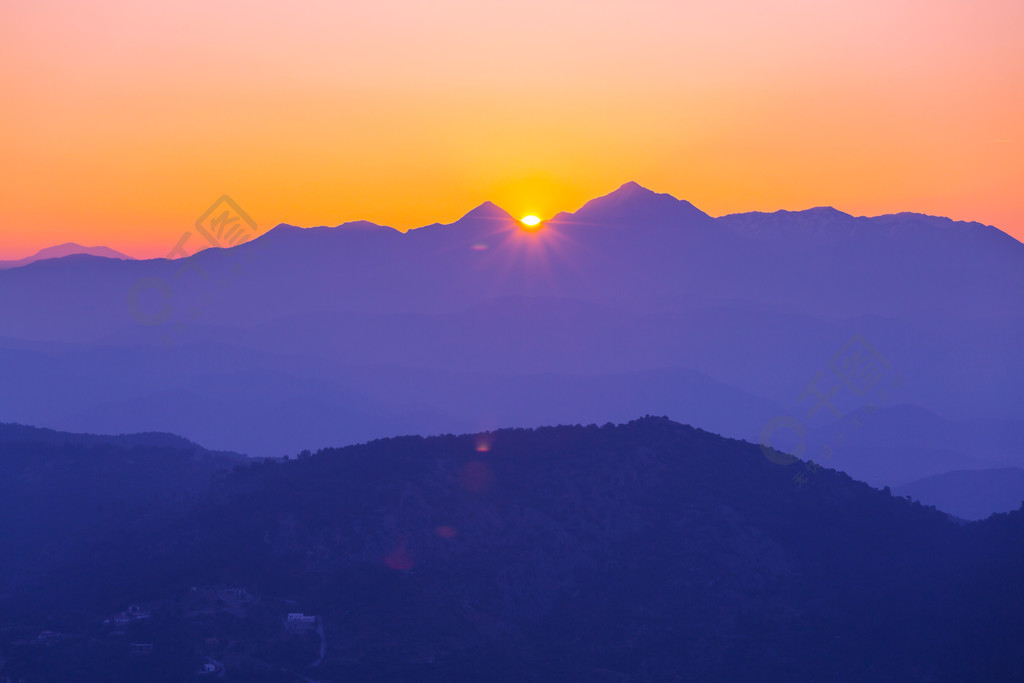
<point>122,122</point>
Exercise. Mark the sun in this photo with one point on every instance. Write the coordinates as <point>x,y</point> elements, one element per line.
<point>531,222</point>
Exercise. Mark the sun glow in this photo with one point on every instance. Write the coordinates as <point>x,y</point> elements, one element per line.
<point>531,222</point>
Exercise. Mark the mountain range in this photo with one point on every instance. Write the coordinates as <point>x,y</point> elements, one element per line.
<point>887,346</point>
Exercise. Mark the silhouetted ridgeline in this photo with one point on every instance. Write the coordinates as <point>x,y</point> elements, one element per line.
<point>646,551</point>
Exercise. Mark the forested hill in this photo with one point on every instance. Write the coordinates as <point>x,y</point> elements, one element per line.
<point>645,551</point>
<point>57,489</point>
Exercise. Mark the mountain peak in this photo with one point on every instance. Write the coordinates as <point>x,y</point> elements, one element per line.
<point>826,211</point>
<point>486,218</point>
<point>634,203</point>
<point>633,189</point>
<point>488,210</point>
<point>634,194</point>
<point>362,225</point>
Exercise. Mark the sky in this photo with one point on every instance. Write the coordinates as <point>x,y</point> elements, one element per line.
<point>123,122</point>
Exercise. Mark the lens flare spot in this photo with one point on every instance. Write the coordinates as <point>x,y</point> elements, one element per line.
<point>445,531</point>
<point>399,558</point>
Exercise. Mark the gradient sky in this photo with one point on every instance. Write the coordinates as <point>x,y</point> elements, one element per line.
<point>122,122</point>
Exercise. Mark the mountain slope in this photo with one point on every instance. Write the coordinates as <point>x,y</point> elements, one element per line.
<point>58,488</point>
<point>630,552</point>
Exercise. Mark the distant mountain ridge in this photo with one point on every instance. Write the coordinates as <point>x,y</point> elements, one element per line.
<point>632,202</point>
<point>636,302</point>
<point>12,433</point>
<point>64,251</point>
<point>969,494</point>
<point>629,203</point>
